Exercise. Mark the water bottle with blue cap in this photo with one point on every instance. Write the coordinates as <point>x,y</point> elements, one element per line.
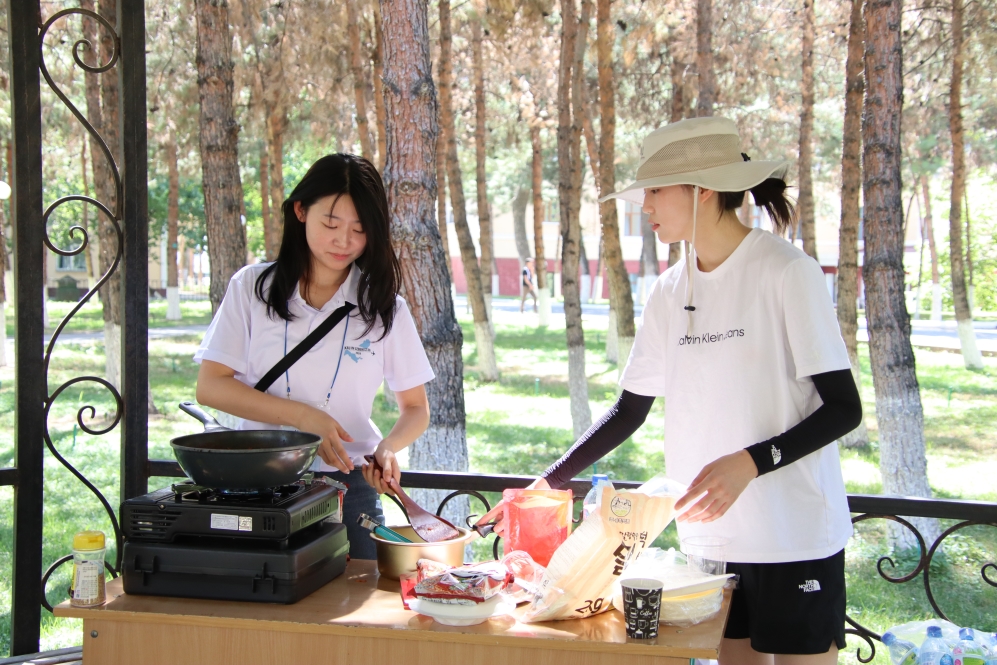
<point>902,652</point>
<point>592,499</point>
<point>969,651</point>
<point>933,648</point>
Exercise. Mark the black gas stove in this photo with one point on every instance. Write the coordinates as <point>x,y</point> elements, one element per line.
<point>276,545</point>
<point>186,509</point>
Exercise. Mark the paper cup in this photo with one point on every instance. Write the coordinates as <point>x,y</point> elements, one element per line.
<point>641,607</point>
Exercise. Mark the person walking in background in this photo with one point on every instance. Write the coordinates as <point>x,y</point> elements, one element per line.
<point>528,286</point>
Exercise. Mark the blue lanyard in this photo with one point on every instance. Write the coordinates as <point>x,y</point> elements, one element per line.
<point>342,347</point>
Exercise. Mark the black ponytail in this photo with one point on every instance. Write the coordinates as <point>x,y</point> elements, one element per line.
<point>770,195</point>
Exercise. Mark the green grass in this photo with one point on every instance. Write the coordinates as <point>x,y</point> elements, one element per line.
<point>91,317</point>
<point>520,425</point>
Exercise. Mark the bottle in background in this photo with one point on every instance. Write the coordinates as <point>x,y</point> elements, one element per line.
<point>592,499</point>
<point>968,651</point>
<point>902,652</point>
<point>933,648</point>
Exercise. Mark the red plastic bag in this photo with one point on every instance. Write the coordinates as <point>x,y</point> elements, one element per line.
<point>537,521</point>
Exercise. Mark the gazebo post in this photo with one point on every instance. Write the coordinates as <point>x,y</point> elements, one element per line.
<point>135,259</point>
<point>29,253</point>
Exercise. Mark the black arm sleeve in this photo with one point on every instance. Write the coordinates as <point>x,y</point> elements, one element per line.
<point>622,420</point>
<point>840,413</point>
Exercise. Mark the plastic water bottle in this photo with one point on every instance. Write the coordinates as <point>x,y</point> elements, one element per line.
<point>933,648</point>
<point>968,651</point>
<point>592,499</point>
<point>902,652</point>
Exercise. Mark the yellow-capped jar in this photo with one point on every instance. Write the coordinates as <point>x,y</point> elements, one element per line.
<point>88,569</point>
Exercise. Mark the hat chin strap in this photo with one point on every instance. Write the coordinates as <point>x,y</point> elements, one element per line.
<point>690,261</point>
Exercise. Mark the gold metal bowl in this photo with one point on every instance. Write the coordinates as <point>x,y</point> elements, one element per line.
<point>396,559</point>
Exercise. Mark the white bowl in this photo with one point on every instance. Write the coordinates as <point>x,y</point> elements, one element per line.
<point>462,615</point>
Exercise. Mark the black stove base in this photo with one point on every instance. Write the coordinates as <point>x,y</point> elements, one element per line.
<point>220,570</point>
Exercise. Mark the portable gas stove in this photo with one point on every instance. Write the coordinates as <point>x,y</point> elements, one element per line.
<point>276,545</point>
<point>185,509</point>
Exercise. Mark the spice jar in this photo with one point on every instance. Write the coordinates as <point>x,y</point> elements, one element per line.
<point>88,570</point>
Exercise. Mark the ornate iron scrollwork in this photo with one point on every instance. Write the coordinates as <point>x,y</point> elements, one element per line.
<point>925,558</point>
<point>86,413</point>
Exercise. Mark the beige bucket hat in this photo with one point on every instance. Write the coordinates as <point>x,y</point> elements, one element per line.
<point>704,152</point>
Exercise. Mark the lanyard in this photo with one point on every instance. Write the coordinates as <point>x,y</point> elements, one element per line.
<point>342,347</point>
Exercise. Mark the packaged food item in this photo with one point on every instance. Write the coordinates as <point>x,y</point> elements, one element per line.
<point>537,521</point>
<point>466,585</point>
<point>428,568</point>
<point>87,588</point>
<point>579,579</point>
<point>527,575</point>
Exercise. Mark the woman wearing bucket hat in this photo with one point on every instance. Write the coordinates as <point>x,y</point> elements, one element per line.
<point>741,339</point>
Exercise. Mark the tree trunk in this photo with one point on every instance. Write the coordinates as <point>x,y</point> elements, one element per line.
<point>487,367</point>
<point>898,401</point>
<point>219,133</point>
<point>379,99</point>
<point>359,82</point>
<point>441,197</point>
<point>410,181</point>
<point>519,203</point>
<point>806,202</point>
<point>851,183</point>
<point>963,314</point>
<point>485,240</point>
<point>936,280</point>
<point>620,298</point>
<point>92,253</point>
<point>172,229</point>
<point>269,247</point>
<point>678,84</point>
<point>276,124</point>
<point>543,292</point>
<point>677,113</point>
<point>704,58</point>
<point>109,244</point>
<point>649,250</point>
<point>568,157</point>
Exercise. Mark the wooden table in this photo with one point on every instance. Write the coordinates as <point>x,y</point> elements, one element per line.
<point>358,619</point>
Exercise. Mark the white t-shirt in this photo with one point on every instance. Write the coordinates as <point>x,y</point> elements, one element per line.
<point>244,338</point>
<point>764,323</point>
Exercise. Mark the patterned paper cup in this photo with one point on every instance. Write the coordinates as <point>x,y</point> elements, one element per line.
<point>641,607</point>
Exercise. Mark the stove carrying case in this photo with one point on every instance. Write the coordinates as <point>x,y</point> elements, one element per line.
<point>219,569</point>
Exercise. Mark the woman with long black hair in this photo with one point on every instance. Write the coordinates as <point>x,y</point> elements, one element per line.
<point>335,254</point>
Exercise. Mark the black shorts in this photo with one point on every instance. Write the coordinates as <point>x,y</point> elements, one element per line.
<point>789,608</point>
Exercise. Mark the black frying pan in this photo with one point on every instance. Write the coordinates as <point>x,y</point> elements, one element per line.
<point>243,459</point>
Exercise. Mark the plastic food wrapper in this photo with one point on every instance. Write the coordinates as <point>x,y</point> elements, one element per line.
<point>428,568</point>
<point>580,576</point>
<point>537,521</point>
<point>465,585</point>
<point>527,575</point>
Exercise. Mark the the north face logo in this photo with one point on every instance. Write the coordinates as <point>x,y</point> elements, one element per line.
<point>810,585</point>
<point>776,455</point>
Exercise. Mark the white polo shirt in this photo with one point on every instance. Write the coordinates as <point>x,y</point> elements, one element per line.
<point>241,336</point>
<point>764,323</point>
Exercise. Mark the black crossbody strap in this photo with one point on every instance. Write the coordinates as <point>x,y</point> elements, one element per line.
<point>303,347</point>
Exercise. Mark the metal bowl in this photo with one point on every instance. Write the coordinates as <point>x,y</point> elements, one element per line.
<point>396,559</point>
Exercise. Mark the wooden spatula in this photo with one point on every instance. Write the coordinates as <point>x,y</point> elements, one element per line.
<point>430,528</point>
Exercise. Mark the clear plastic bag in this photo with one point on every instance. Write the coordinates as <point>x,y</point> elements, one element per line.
<point>537,521</point>
<point>701,603</point>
